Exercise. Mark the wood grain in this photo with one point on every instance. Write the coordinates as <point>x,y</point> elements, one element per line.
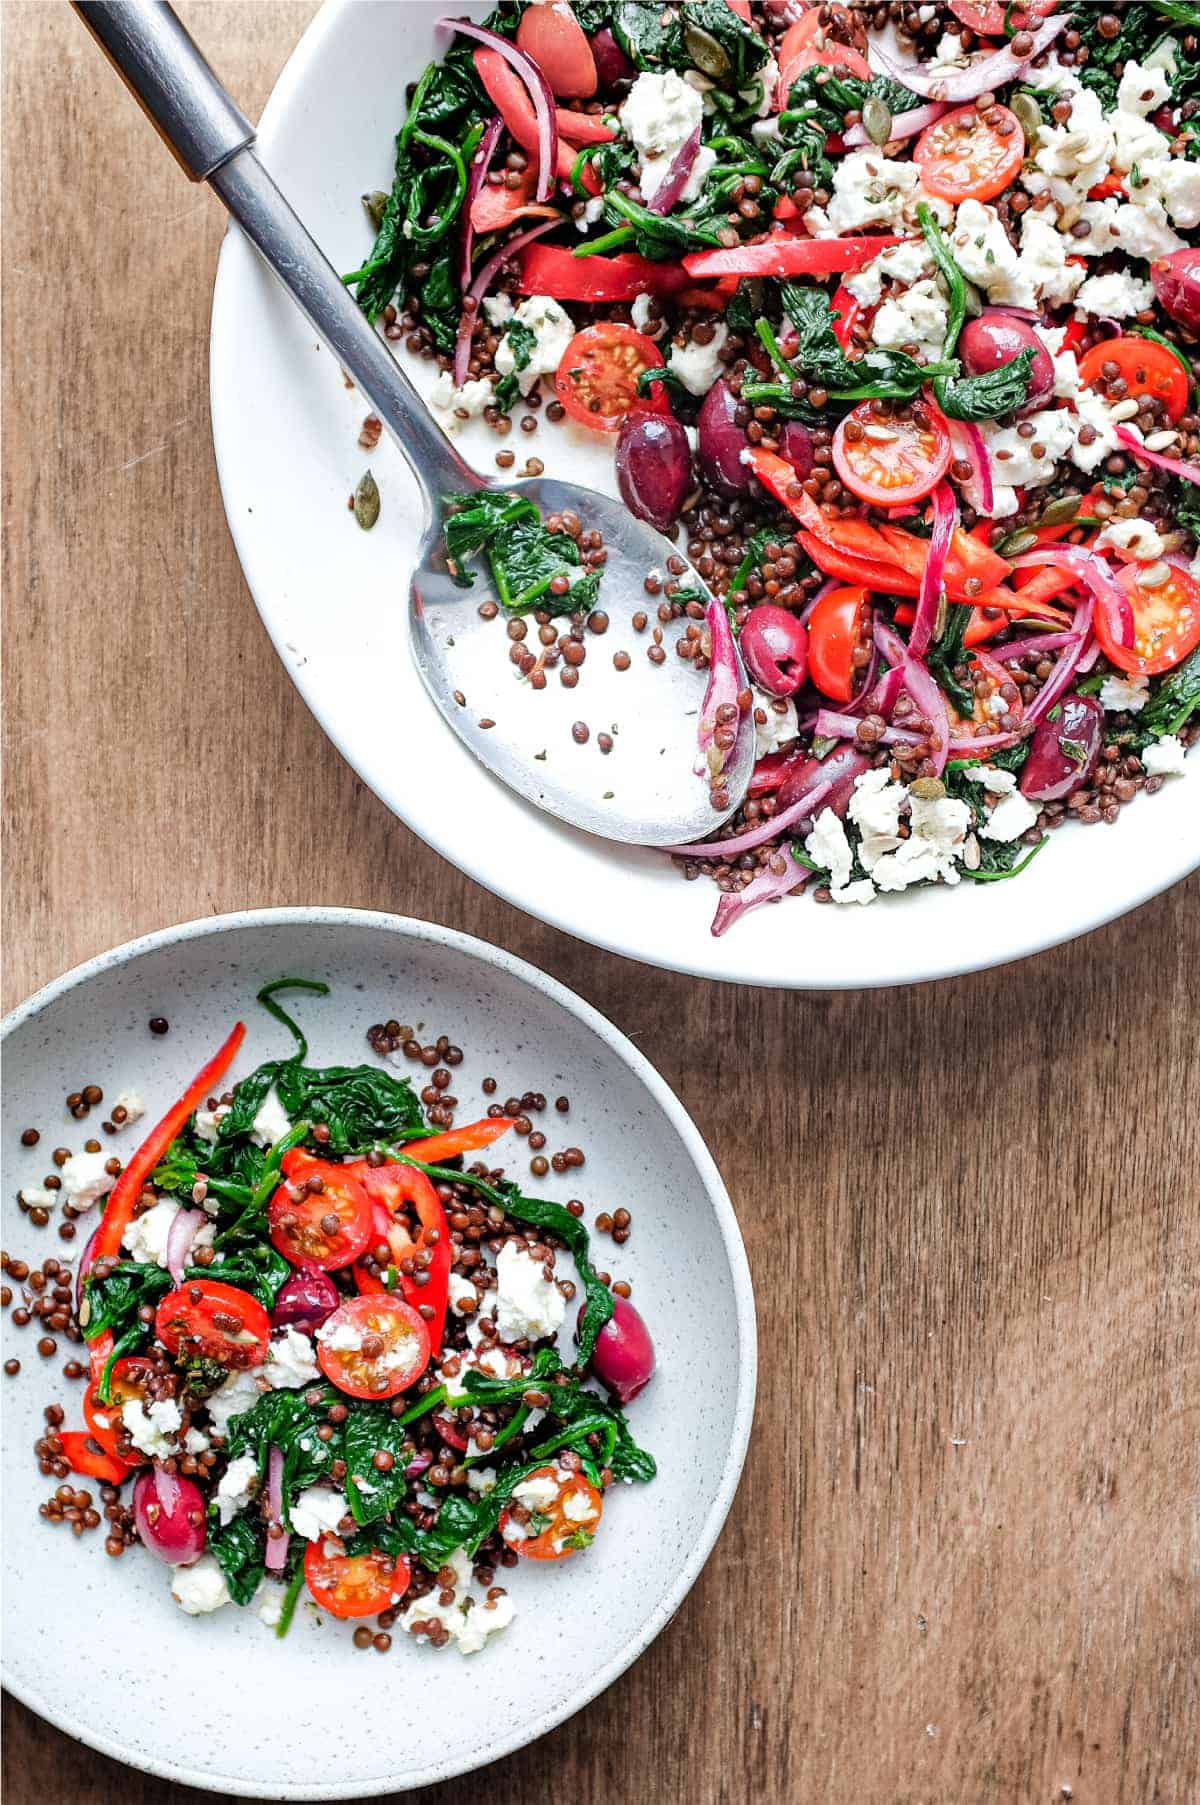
<point>963,1563</point>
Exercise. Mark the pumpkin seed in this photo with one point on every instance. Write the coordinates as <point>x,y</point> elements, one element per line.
<point>707,52</point>
<point>366,501</point>
<point>972,300</point>
<point>375,202</point>
<point>1029,113</point>
<point>929,789</point>
<point>1063,507</point>
<point>877,120</point>
<point>1023,540</point>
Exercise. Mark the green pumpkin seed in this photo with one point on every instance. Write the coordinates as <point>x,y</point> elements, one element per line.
<point>929,789</point>
<point>1029,113</point>
<point>706,52</point>
<point>1023,540</point>
<point>1063,507</point>
<point>877,120</point>
<point>375,202</point>
<point>366,502</point>
<point>973,302</point>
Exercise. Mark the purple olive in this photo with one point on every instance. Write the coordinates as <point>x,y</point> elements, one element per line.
<point>624,1354</point>
<point>842,768</point>
<point>722,442</point>
<point>305,1300</point>
<point>994,339</point>
<point>612,64</point>
<point>1064,749</point>
<point>796,445</point>
<point>169,1512</point>
<point>654,467</point>
<point>775,646</point>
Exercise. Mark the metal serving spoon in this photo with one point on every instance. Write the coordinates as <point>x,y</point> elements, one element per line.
<point>644,790</point>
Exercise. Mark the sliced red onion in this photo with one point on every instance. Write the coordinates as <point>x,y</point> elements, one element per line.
<point>479,288</point>
<point>182,1232</point>
<point>982,742</point>
<point>676,178</point>
<point>879,697</point>
<point>417,1466</point>
<point>275,1558</point>
<point>1066,668</point>
<point>922,689</point>
<point>539,93</point>
<point>725,685</point>
<point>1033,647</point>
<point>981,484</point>
<point>1088,569</point>
<point>981,76</point>
<point>945,519</point>
<point>481,162</point>
<point>834,726</point>
<point>827,588</point>
<point>755,836</point>
<point>1190,473</point>
<point>1088,657</point>
<point>767,888</point>
<point>904,125</point>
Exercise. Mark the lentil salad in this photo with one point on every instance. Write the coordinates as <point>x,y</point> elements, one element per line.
<point>891,311</point>
<point>326,1362</point>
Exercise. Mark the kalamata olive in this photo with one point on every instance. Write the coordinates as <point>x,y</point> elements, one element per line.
<point>840,767</point>
<point>612,64</point>
<point>1176,281</point>
<point>654,467</point>
<point>796,445</point>
<point>304,1300</point>
<point>624,1354</point>
<point>722,442</point>
<point>1064,749</point>
<point>995,338</point>
<point>169,1512</point>
<point>775,647</point>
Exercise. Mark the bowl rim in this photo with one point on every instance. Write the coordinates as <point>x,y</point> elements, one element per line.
<point>409,927</point>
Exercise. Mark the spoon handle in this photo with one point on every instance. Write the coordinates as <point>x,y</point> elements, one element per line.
<point>213,141</point>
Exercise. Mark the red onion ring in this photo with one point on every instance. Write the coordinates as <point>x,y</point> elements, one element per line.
<point>904,125</point>
<point>1094,572</point>
<point>766,888</point>
<point>725,684</point>
<point>945,519</point>
<point>922,690</point>
<point>419,1465</point>
<point>832,725</point>
<point>1190,473</point>
<point>980,77</point>
<point>755,836</point>
<point>275,1558</point>
<point>539,93</point>
<point>479,288</point>
<point>981,457</point>
<point>182,1232</point>
<point>1027,648</point>
<point>481,162</point>
<point>1050,691</point>
<point>676,178</point>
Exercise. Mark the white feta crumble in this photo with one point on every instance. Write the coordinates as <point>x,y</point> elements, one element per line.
<point>994,781</point>
<point>1043,261</point>
<point>902,264</point>
<point>468,1622</point>
<point>1116,294</point>
<point>131,1103</point>
<point>949,53</point>
<point>238,1484</point>
<point>145,1239</point>
<point>270,1610</point>
<point>698,366</point>
<point>639,313</point>
<point>937,828</point>
<point>1028,462</point>
<point>1169,185</point>
<point>271,1121</point>
<point>1120,694</point>
<point>529,1306</point>
<point>1012,816</point>
<point>1165,757</point>
<point>828,847</point>
<point>317,1512</point>
<point>874,809</point>
<point>84,1180</point>
<point>1135,139</point>
<point>200,1587</point>
<point>36,1197</point>
<point>482,1480</point>
<point>152,1431</point>
<point>781,724</point>
<point>196,1442</point>
<point>1137,537</point>
<point>343,1337</point>
<point>539,1492</point>
<point>1053,77</point>
<point>291,1361</point>
<point>589,213</point>
<point>462,1291</point>
<point>450,404</point>
<point>1092,410</point>
<point>552,329</point>
<point>862,890</point>
<point>766,81</point>
<point>240,1392</point>
<point>915,317</point>
<point>577,1507</point>
<point>485,1620</point>
<point>986,256</point>
<point>206,1122</point>
<point>499,309</point>
<point>871,190</point>
<point>1080,151</point>
<point>659,116</point>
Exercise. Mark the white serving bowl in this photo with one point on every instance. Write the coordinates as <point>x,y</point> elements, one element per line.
<point>218,1701</point>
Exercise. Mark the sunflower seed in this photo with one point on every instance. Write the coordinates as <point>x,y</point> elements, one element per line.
<point>366,502</point>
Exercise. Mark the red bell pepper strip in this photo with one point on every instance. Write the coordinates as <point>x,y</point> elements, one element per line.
<point>547,269</point>
<point>788,255</point>
<point>848,311</point>
<point>582,128</point>
<point>883,579</point>
<point>83,1455</point>
<point>468,1139</point>
<point>118,1211</point>
<point>495,208</point>
<point>510,97</point>
<point>389,1187</point>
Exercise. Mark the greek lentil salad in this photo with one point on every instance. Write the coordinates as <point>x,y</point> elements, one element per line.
<point>892,311</point>
<point>325,1350</point>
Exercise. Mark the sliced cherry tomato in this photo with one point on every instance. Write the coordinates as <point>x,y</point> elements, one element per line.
<point>1112,184</point>
<point>562,1525</point>
<point>128,1379</point>
<point>467,1139</point>
<point>806,44</point>
<point>985,666</point>
<point>597,380</point>
<point>994,18</point>
<point>1166,623</point>
<point>1147,369</point>
<point>968,155</point>
<point>321,1216</point>
<point>836,629</point>
<point>548,269</point>
<point>208,1320</point>
<point>373,1346</point>
<point>83,1455</point>
<point>423,1261</point>
<point>355,1585</point>
<point>788,254</point>
<point>892,458</point>
<point>555,40</point>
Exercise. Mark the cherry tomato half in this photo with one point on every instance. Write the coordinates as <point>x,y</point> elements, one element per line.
<point>329,1223</point>
<point>1166,623</point>
<point>968,155</point>
<point>806,45</point>
<point>1147,369</point>
<point>598,376</point>
<point>992,18</point>
<point>889,458</point>
<point>836,628</point>
<point>355,1585</point>
<point>127,1380</point>
<point>373,1346</point>
<point>560,1526</point>
<point>206,1320</point>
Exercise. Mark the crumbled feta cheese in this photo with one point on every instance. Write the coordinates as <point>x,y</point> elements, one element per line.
<point>468,1622</point>
<point>207,1121</point>
<point>462,1291</point>
<point>698,366</point>
<point>1164,758</point>
<point>317,1512</point>
<point>1116,294</point>
<point>145,1239</point>
<point>290,1361</point>
<point>482,1480</point>
<point>484,1620</point>
<point>862,890</point>
<point>874,809</point>
<point>131,1103</point>
<point>499,309</point>
<point>589,213</point>
<point>1004,501</point>
<point>994,781</point>
<point>540,1492</point>
<point>659,116</point>
<point>271,1121</point>
<point>1043,261</point>
<point>200,1587</point>
<point>240,1392</point>
<point>1053,77</point>
<point>238,1484</point>
<point>270,1610</point>
<point>196,1442</point>
<point>828,847</point>
<point>553,330</point>
<point>937,828</point>
<point>1169,185</point>
<point>84,1180</point>
<point>1080,151</point>
<point>529,1306</point>
<point>902,264</point>
<point>1027,463</point>
<point>342,1336</point>
<point>152,1431</point>
<point>870,190</point>
<point>780,725</point>
<point>1143,232</point>
<point>1120,694</point>
<point>450,404</point>
<point>1012,816</point>
<point>36,1197</point>
<point>1091,410</point>
<point>640,312</point>
<point>949,53</point>
<point>1135,139</point>
<point>916,317</point>
<point>1137,537</point>
<point>986,256</point>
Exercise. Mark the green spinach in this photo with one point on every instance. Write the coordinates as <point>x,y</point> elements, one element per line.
<point>524,557</point>
<point>988,396</point>
<point>239,1549</point>
<point>371,1429</point>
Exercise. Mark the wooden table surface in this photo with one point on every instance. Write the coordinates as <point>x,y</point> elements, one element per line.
<point>962,1565</point>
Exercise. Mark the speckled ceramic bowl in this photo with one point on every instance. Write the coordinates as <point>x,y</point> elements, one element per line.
<point>213,1701</point>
